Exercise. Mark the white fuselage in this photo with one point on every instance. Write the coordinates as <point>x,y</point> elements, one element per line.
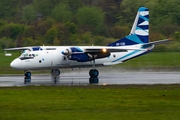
<point>51,57</point>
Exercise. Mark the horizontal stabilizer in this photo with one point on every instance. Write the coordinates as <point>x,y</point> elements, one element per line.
<point>111,63</point>
<point>156,42</point>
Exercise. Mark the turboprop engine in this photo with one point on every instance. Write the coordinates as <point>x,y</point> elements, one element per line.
<point>75,53</point>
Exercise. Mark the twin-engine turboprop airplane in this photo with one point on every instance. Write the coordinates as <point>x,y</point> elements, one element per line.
<point>57,57</point>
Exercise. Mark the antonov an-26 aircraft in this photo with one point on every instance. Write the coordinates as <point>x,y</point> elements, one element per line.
<point>57,57</point>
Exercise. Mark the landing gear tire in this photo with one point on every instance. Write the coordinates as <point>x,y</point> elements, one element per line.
<point>93,76</point>
<point>27,74</point>
<point>93,73</point>
<point>27,77</point>
<point>55,72</point>
<point>55,75</point>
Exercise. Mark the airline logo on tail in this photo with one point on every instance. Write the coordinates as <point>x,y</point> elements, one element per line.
<point>140,30</point>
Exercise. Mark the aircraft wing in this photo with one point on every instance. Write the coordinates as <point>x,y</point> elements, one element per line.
<point>19,48</point>
<point>32,48</point>
<point>101,52</point>
<point>88,53</point>
<point>110,49</point>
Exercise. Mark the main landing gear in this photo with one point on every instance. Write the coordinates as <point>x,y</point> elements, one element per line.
<point>55,72</point>
<point>93,73</point>
<point>55,75</point>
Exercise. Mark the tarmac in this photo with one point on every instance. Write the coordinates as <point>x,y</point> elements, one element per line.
<point>82,78</point>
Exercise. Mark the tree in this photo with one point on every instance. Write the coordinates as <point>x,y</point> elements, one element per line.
<point>7,42</point>
<point>29,13</point>
<point>91,19</point>
<point>73,4</point>
<point>62,13</point>
<point>112,10</point>
<point>12,30</point>
<point>51,35</point>
<point>44,7</point>
<point>164,17</point>
<point>119,31</point>
<point>129,9</point>
<point>9,9</point>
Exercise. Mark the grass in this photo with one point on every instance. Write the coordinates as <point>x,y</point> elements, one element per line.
<point>115,102</point>
<point>154,60</point>
<point>5,62</point>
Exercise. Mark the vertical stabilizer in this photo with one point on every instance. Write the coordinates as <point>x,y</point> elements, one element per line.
<point>139,32</point>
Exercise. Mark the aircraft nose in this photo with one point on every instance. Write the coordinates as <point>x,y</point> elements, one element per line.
<point>16,64</point>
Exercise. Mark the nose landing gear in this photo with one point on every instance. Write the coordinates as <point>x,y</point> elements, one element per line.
<point>27,77</point>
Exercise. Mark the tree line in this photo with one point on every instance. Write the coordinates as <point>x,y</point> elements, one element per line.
<point>84,22</point>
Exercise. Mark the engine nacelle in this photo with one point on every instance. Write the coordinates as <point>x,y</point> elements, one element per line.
<point>80,57</point>
<point>67,52</point>
<point>72,50</point>
<point>75,53</point>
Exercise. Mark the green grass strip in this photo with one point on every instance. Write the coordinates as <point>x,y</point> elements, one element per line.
<point>115,102</point>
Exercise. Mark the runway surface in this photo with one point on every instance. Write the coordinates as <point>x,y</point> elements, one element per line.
<point>82,78</point>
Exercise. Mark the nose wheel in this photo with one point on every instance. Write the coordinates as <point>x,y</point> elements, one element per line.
<point>27,76</point>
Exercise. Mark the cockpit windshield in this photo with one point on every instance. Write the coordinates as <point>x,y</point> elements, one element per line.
<point>25,56</point>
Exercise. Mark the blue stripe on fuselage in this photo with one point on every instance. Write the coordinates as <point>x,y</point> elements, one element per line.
<point>126,55</point>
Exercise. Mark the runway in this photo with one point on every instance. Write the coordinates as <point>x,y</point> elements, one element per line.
<point>82,78</point>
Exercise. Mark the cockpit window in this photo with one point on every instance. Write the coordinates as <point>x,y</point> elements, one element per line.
<point>25,56</point>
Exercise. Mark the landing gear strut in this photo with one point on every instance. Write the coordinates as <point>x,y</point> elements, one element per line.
<point>27,77</point>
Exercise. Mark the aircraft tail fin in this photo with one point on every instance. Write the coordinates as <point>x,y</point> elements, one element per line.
<point>139,32</point>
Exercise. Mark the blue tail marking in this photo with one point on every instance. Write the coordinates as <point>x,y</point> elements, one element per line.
<point>140,30</point>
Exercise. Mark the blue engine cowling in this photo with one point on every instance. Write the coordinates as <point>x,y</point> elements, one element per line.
<point>77,54</point>
<point>80,57</point>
